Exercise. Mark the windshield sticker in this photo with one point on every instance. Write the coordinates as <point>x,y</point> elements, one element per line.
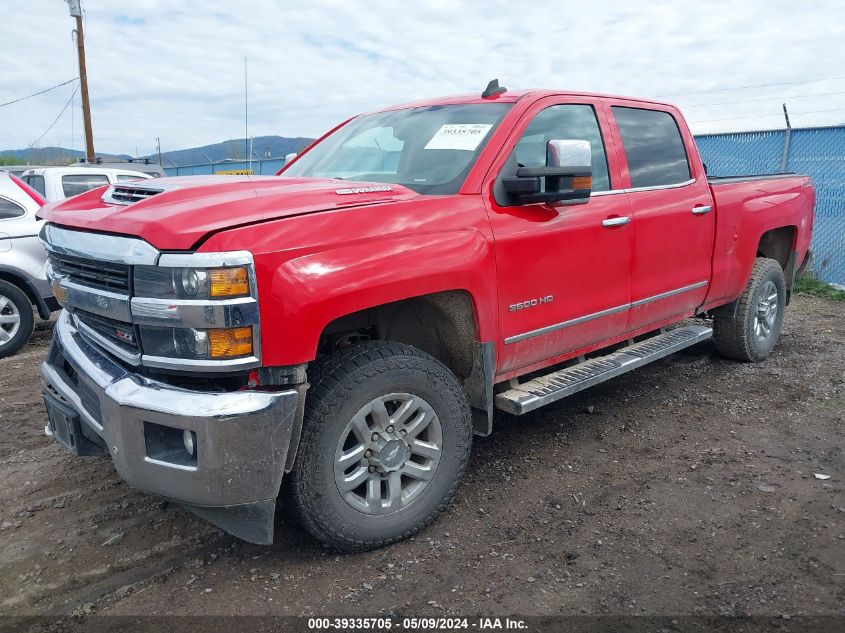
<point>463,136</point>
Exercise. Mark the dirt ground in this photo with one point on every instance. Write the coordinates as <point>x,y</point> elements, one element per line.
<point>684,488</point>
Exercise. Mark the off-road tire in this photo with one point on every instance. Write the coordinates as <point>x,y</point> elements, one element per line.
<point>23,307</point>
<point>341,385</point>
<point>735,336</point>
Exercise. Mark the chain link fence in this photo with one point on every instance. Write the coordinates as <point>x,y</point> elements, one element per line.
<point>818,152</point>
<point>263,167</point>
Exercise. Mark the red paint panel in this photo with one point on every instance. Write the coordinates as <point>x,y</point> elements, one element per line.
<point>314,269</point>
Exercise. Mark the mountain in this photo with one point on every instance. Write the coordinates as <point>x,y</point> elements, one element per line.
<point>263,146</point>
<point>53,155</point>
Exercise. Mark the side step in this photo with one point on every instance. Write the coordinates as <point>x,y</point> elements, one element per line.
<point>544,390</point>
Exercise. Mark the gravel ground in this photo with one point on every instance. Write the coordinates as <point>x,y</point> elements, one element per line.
<point>687,487</point>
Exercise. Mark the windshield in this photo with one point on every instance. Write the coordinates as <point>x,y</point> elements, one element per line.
<point>429,149</point>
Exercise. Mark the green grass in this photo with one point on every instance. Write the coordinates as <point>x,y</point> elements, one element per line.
<point>812,286</point>
<point>8,161</point>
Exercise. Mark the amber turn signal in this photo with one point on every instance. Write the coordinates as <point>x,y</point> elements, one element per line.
<point>582,182</point>
<point>228,282</point>
<point>230,342</point>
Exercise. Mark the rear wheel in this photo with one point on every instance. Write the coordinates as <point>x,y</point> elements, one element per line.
<point>753,331</point>
<point>16,319</point>
<point>385,440</point>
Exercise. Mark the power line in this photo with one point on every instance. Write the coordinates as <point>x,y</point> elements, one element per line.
<point>763,116</point>
<point>785,83</point>
<point>64,83</point>
<point>707,105</point>
<point>73,94</point>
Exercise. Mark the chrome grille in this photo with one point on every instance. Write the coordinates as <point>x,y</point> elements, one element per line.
<point>127,194</point>
<point>97,274</point>
<point>124,335</point>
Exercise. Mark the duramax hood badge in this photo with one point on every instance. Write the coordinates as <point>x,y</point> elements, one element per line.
<point>345,192</point>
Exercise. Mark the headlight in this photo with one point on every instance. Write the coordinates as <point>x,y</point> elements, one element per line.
<point>194,344</point>
<point>191,283</point>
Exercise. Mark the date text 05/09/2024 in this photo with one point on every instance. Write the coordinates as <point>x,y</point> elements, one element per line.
<point>416,624</point>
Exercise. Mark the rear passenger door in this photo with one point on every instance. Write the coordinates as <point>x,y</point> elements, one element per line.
<point>673,216</point>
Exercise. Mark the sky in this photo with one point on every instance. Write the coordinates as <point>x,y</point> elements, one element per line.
<point>174,69</point>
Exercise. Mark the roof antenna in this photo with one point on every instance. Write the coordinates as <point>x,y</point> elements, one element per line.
<point>493,90</point>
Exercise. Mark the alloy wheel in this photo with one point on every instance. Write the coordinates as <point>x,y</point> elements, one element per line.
<point>388,453</point>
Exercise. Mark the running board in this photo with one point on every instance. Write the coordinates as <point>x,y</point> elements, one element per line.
<point>544,390</point>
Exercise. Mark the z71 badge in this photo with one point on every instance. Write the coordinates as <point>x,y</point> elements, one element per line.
<point>530,303</point>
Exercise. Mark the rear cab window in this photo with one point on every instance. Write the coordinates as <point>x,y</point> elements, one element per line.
<point>653,147</point>
<point>36,182</point>
<point>74,184</point>
<point>127,177</point>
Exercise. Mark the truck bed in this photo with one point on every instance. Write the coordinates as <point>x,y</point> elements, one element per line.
<point>746,208</point>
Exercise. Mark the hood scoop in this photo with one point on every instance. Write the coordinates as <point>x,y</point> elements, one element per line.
<point>132,192</point>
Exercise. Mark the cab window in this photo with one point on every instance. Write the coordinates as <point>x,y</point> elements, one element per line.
<point>36,182</point>
<point>558,122</point>
<point>653,146</point>
<point>9,209</point>
<point>74,184</point>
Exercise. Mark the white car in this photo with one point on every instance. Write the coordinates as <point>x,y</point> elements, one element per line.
<point>55,183</point>
<point>23,280</point>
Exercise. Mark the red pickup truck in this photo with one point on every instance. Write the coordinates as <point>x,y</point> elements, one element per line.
<point>338,332</point>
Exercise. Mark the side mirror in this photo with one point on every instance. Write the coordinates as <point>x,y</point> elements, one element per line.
<point>289,157</point>
<point>567,176</point>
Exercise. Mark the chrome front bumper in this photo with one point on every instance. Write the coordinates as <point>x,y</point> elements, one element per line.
<point>241,438</point>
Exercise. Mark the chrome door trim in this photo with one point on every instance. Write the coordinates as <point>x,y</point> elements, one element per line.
<point>678,185</point>
<point>668,293</point>
<point>608,192</point>
<point>516,338</point>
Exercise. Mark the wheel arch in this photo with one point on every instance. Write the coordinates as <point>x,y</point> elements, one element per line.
<point>779,244</point>
<point>443,324</point>
<point>19,281</point>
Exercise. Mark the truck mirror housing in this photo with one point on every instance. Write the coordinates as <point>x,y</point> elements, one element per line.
<point>567,176</point>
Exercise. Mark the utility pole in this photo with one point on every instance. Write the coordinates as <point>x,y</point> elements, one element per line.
<point>75,9</point>
<point>158,150</point>
<point>246,116</point>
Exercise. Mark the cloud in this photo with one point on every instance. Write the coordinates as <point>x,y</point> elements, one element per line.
<point>175,70</point>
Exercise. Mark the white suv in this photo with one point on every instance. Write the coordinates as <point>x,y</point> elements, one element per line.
<point>55,183</point>
<point>23,281</point>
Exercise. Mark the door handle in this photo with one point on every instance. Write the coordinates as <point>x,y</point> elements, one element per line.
<point>609,223</point>
<point>701,210</point>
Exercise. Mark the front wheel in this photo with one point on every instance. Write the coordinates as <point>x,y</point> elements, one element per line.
<point>385,440</point>
<point>753,331</point>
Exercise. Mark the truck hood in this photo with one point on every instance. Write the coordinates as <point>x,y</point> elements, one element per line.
<point>176,213</point>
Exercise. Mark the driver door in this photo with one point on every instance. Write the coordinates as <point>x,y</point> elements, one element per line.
<point>563,271</point>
